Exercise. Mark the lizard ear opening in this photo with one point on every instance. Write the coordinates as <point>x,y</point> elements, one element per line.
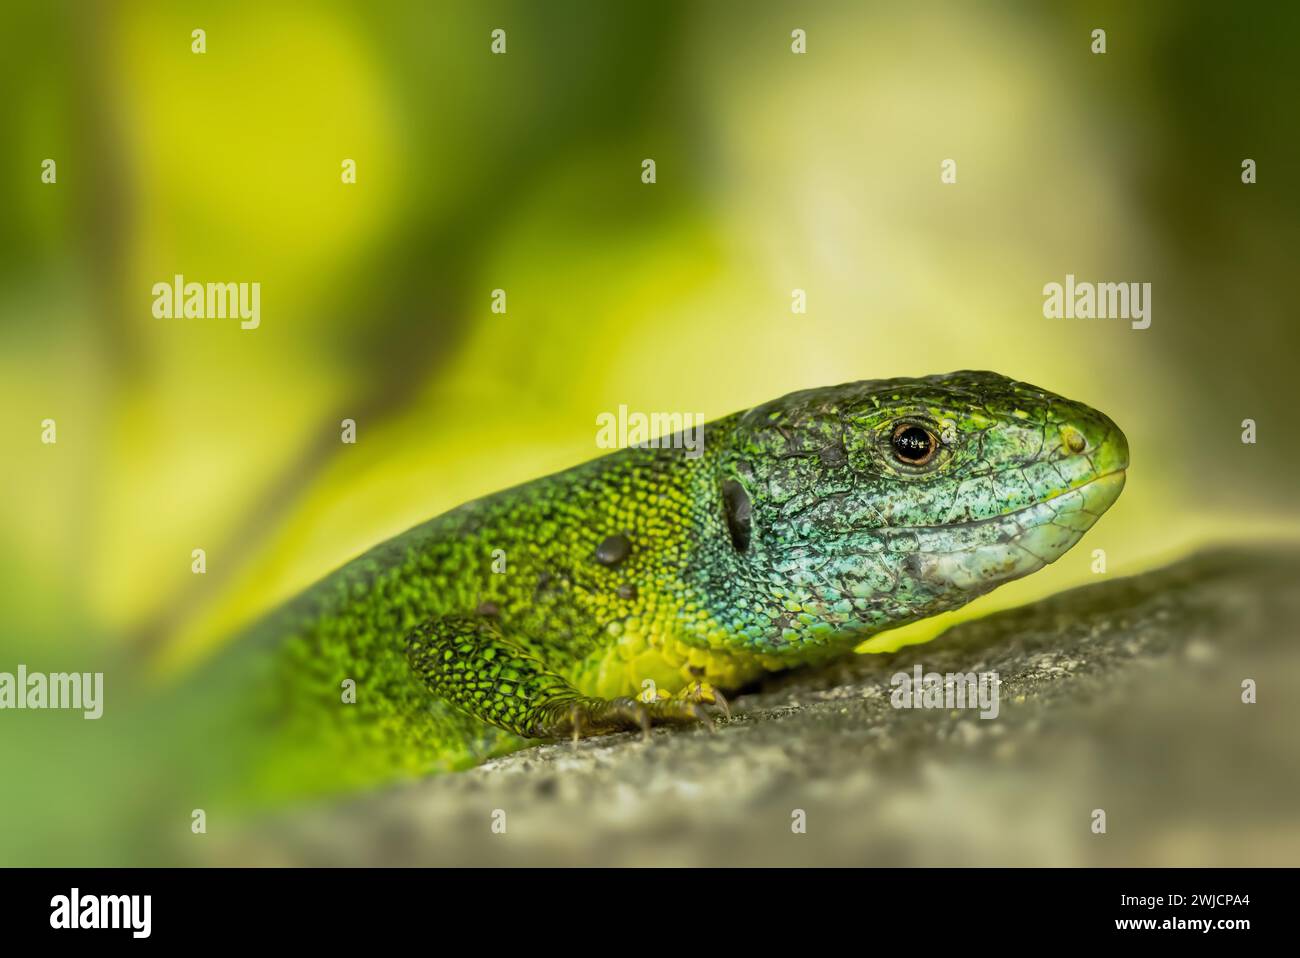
<point>735,503</point>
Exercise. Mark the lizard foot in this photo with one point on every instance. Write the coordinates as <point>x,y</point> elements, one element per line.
<point>593,716</point>
<point>705,694</point>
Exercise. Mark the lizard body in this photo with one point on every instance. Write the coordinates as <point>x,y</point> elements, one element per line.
<point>633,589</point>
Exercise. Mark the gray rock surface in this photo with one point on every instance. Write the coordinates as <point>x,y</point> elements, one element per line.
<point>1124,696</point>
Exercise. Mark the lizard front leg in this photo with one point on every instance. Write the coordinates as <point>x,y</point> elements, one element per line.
<point>471,663</point>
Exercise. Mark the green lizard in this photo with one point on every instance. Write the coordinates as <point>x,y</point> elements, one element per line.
<point>637,588</point>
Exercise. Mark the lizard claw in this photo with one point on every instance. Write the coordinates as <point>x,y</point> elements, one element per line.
<point>575,718</point>
<point>700,713</point>
<point>721,702</point>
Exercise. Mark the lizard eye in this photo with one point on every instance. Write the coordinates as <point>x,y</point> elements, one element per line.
<point>913,445</point>
<point>735,503</point>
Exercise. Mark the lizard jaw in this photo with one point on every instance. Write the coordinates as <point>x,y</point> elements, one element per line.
<point>1018,543</point>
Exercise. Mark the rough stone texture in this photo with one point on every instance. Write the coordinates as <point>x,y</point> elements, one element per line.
<point>1123,696</point>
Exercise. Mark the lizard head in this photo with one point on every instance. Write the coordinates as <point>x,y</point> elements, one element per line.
<point>860,507</point>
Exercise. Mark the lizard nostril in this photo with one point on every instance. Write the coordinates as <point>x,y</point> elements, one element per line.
<point>1073,439</point>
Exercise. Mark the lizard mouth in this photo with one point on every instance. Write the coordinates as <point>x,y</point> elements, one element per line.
<point>1091,498</point>
<point>979,555</point>
<point>1092,492</point>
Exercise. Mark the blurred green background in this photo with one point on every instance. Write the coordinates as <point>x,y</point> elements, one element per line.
<point>522,172</point>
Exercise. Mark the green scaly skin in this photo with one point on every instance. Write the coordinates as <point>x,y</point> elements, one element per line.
<point>550,608</point>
